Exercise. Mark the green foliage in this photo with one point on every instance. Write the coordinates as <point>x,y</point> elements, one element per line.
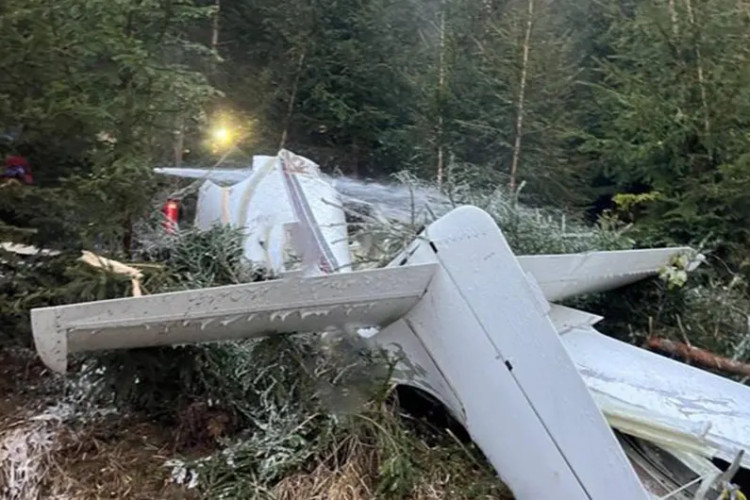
<point>198,259</point>
<point>625,96</point>
<point>33,281</point>
<point>92,91</point>
<point>715,316</point>
<point>487,101</point>
<point>673,105</point>
<point>627,201</point>
<point>627,104</point>
<point>287,408</point>
<point>76,69</point>
<point>338,64</point>
<point>709,311</point>
<point>162,381</point>
<point>309,416</point>
<point>371,454</point>
<point>534,231</point>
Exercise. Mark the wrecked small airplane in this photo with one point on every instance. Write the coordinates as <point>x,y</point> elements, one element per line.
<point>283,206</point>
<point>475,326</point>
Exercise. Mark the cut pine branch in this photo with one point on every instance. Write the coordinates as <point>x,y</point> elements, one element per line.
<point>698,356</point>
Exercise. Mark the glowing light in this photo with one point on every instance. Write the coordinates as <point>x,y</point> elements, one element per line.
<point>222,135</point>
<point>226,133</point>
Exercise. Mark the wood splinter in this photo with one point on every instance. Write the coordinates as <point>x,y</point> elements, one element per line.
<point>135,275</point>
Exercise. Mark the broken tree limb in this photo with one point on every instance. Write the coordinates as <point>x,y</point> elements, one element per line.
<point>94,260</point>
<point>698,356</point>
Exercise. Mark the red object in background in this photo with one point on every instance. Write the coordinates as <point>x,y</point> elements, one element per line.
<point>16,167</point>
<point>171,214</point>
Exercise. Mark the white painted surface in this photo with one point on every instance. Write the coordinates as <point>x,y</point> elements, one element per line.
<point>365,298</point>
<point>282,204</point>
<point>417,368</point>
<point>662,400</point>
<point>567,318</point>
<point>482,392</point>
<point>216,175</point>
<point>479,314</point>
<point>563,276</point>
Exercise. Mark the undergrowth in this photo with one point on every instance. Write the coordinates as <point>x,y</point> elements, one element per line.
<point>534,230</point>
<point>378,238</point>
<point>372,453</point>
<point>711,311</point>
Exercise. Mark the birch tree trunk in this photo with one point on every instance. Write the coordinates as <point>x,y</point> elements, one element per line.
<point>699,66</point>
<point>673,17</point>
<point>179,141</point>
<point>215,27</point>
<point>441,85</point>
<point>521,96</point>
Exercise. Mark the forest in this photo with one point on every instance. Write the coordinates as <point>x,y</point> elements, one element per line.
<point>625,121</point>
<point>578,101</point>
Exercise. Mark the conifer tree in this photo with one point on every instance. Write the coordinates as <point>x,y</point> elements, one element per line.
<point>673,109</point>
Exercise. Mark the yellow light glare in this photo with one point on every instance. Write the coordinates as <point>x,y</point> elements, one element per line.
<point>222,135</point>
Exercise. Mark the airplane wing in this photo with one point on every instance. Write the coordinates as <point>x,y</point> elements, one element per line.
<point>669,403</point>
<point>217,175</point>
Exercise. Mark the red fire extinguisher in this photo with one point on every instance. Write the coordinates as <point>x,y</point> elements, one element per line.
<point>171,212</point>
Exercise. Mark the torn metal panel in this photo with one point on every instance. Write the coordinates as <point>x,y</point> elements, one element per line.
<point>666,475</point>
<point>667,402</point>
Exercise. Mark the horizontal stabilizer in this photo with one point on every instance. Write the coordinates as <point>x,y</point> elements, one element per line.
<point>365,298</point>
<point>566,318</point>
<point>567,275</point>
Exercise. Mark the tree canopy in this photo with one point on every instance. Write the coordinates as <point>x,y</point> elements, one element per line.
<point>576,101</point>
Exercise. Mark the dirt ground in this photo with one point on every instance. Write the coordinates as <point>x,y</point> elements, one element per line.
<point>102,457</point>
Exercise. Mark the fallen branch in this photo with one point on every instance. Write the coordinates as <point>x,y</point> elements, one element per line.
<point>117,267</point>
<point>698,356</point>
